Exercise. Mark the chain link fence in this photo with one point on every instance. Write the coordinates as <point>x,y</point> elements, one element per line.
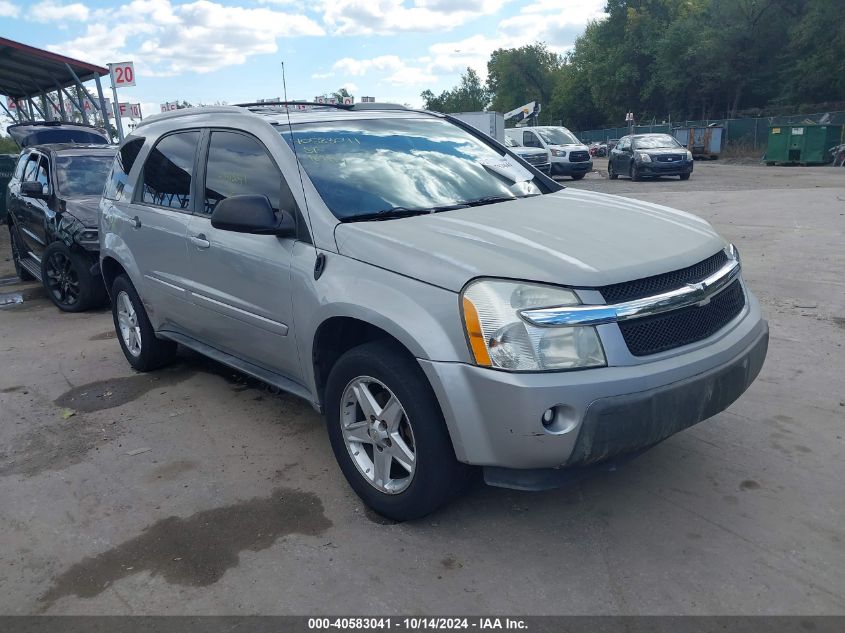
<point>752,133</point>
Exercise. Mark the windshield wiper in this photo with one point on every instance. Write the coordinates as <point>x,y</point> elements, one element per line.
<point>401,212</point>
<point>491,200</point>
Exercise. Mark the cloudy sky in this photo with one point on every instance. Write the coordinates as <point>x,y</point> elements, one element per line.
<point>230,50</point>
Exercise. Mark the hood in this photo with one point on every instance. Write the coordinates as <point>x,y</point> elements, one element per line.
<point>570,147</point>
<point>84,209</point>
<point>663,150</point>
<point>528,151</point>
<point>571,237</point>
<point>44,132</point>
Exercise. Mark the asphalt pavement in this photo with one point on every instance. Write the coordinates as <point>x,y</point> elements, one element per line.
<point>195,490</point>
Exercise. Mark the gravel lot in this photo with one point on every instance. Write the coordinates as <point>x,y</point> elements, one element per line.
<point>195,490</point>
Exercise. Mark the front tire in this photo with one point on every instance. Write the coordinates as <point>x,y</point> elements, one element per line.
<point>66,275</point>
<point>143,350</point>
<point>17,252</point>
<point>685,176</point>
<point>388,433</point>
<point>635,173</point>
<point>577,176</point>
<point>610,173</point>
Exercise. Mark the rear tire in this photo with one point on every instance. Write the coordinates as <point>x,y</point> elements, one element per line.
<point>142,348</point>
<point>374,441</point>
<point>17,252</point>
<point>66,276</point>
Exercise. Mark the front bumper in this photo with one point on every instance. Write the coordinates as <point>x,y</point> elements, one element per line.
<point>657,168</point>
<point>495,417</point>
<point>565,168</point>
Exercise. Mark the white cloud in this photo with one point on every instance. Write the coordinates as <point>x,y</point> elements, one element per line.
<point>50,11</point>
<point>361,17</point>
<point>555,22</point>
<point>395,70</point>
<point>200,36</point>
<point>8,10</point>
<point>350,87</point>
<point>359,67</point>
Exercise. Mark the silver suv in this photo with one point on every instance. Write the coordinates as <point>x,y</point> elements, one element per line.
<point>443,303</point>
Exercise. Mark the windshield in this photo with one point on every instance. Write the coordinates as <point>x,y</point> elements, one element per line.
<point>82,175</point>
<point>558,136</point>
<point>366,167</point>
<point>655,142</point>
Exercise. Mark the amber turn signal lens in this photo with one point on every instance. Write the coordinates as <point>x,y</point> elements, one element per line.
<point>475,334</point>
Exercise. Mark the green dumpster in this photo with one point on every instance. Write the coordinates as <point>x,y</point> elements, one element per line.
<point>791,144</point>
<point>7,166</point>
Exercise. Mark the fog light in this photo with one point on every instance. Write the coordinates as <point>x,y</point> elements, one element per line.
<point>559,419</point>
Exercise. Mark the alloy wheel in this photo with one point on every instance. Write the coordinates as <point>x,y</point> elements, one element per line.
<point>127,319</point>
<point>62,280</point>
<point>378,435</point>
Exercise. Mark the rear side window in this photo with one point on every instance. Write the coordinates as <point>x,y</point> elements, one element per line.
<point>169,169</point>
<point>118,182</point>
<point>239,164</point>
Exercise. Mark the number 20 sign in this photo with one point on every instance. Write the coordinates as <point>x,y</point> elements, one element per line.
<point>122,74</point>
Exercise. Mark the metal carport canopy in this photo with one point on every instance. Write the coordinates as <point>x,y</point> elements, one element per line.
<point>27,72</point>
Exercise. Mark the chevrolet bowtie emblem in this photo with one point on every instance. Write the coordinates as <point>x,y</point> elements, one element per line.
<point>700,288</point>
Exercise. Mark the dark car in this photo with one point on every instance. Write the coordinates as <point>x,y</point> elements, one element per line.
<point>649,155</point>
<point>52,203</point>
<point>7,168</point>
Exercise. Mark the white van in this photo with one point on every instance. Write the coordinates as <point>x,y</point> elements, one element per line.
<point>569,157</point>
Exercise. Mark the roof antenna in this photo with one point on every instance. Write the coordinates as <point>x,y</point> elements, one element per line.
<point>319,265</point>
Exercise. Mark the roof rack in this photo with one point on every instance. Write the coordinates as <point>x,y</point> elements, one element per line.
<point>311,104</point>
<point>273,104</point>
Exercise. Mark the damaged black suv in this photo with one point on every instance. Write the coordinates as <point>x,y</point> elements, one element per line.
<point>52,203</point>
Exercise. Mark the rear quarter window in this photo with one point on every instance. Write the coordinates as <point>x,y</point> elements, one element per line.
<point>118,185</point>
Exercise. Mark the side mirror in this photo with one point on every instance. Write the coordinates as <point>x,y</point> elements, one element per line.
<point>32,189</point>
<point>252,214</point>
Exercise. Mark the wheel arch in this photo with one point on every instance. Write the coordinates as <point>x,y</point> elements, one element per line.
<point>111,269</point>
<point>336,335</point>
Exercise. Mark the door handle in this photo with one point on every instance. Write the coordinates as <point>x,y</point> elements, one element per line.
<point>136,222</point>
<point>200,241</point>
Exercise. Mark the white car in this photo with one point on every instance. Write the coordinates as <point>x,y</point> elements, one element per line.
<point>568,155</point>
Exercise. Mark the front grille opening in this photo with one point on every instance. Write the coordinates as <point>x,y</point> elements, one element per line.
<point>663,332</point>
<point>648,286</point>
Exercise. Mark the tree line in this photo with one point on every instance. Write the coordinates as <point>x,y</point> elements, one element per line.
<point>688,59</point>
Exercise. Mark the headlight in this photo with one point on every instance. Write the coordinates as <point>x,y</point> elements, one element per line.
<point>645,158</point>
<point>498,337</point>
<point>689,155</point>
<point>558,152</point>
